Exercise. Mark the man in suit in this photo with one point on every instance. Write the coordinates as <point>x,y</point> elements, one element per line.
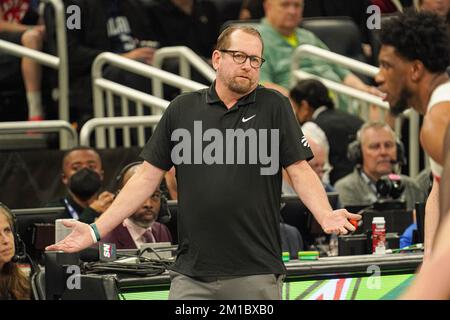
<point>312,103</point>
<point>142,226</point>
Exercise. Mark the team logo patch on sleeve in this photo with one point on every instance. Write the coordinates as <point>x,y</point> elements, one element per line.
<point>305,142</point>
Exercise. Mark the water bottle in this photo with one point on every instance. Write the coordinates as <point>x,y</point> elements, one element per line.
<point>378,235</point>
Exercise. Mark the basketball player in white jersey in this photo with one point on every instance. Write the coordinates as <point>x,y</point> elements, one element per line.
<point>414,56</point>
<point>413,59</point>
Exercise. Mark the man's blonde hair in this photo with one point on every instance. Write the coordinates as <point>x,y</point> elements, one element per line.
<point>223,41</point>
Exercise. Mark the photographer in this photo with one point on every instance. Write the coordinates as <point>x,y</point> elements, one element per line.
<point>375,153</point>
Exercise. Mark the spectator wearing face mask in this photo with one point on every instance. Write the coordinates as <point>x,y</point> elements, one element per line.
<point>82,174</point>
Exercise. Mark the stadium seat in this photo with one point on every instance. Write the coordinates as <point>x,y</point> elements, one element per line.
<point>340,34</point>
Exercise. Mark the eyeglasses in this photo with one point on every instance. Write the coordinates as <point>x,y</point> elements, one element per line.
<point>240,57</point>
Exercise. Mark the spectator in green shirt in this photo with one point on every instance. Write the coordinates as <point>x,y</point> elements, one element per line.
<point>281,34</point>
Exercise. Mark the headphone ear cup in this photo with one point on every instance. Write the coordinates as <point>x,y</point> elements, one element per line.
<point>120,175</point>
<point>164,213</point>
<point>20,251</point>
<point>354,152</point>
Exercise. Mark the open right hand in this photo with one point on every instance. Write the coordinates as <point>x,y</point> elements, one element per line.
<point>80,238</point>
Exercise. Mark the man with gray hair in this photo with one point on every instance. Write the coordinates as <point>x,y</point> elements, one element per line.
<point>376,153</point>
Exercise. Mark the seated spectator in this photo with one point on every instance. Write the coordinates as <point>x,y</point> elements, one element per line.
<point>14,284</point>
<point>13,29</point>
<point>142,226</point>
<point>312,103</point>
<point>375,153</point>
<point>281,34</point>
<point>82,174</point>
<point>191,23</point>
<point>116,26</point>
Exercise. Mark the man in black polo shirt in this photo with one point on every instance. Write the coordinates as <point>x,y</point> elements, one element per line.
<point>227,144</point>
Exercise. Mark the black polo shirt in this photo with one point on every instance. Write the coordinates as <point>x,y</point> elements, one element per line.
<point>228,214</point>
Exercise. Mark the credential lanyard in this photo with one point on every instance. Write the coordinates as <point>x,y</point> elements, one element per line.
<point>72,211</point>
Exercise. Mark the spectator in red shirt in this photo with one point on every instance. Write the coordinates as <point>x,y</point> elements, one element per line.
<point>13,29</point>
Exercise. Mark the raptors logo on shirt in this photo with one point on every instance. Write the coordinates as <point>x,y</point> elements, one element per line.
<point>305,142</point>
<point>14,10</point>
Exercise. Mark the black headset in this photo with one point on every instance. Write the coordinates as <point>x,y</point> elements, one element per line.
<point>20,249</point>
<point>164,212</point>
<point>354,152</point>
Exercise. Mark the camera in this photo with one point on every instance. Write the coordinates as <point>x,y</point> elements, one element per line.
<point>389,190</point>
<point>390,186</point>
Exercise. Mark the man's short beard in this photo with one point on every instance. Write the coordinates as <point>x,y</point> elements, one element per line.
<point>240,89</point>
<point>142,223</point>
<point>402,103</point>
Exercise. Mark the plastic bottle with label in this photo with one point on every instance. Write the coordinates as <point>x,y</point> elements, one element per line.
<point>378,235</point>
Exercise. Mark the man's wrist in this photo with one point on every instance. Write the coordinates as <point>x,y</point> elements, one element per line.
<point>323,218</point>
<point>94,232</point>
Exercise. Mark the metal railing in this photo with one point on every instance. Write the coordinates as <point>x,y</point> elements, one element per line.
<point>186,58</point>
<point>117,122</point>
<point>102,85</point>
<point>60,62</point>
<point>46,126</point>
<point>366,98</point>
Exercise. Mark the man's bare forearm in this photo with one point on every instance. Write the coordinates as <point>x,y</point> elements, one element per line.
<point>310,189</point>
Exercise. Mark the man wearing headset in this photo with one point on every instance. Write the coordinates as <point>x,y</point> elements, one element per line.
<point>375,152</point>
<point>141,227</point>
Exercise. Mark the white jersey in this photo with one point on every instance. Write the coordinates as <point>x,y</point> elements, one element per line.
<point>440,94</point>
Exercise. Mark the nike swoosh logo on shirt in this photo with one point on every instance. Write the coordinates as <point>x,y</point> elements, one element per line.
<point>245,120</point>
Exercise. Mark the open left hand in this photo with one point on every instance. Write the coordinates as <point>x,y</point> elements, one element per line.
<point>337,222</point>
